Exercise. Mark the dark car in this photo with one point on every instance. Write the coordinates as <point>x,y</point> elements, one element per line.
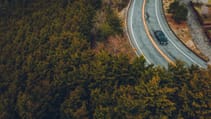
<point>161,37</point>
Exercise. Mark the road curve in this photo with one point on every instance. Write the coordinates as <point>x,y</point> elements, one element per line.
<point>151,38</point>
<point>176,48</point>
<point>138,36</point>
<point>145,45</point>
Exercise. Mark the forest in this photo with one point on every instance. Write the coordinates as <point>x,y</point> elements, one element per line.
<point>49,70</point>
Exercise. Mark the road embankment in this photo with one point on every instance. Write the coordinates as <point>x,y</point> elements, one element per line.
<point>182,31</point>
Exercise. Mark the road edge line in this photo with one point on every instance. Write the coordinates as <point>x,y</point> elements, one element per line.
<point>150,37</point>
<point>128,35</point>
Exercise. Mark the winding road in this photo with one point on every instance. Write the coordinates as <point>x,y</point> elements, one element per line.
<point>146,16</point>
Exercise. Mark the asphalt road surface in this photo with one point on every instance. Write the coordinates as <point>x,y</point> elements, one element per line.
<point>139,38</point>
<point>155,20</point>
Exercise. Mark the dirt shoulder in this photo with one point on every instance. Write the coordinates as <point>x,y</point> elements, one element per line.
<point>116,45</point>
<point>182,31</point>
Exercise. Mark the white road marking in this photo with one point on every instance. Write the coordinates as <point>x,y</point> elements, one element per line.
<point>156,3</point>
<point>150,37</point>
<point>127,29</point>
<point>134,35</point>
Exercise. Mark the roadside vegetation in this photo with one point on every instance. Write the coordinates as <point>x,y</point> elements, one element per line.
<point>49,70</point>
<point>179,11</point>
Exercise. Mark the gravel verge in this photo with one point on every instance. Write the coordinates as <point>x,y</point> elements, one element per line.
<point>198,35</point>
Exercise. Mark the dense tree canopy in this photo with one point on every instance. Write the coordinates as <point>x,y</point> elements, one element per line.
<point>49,71</point>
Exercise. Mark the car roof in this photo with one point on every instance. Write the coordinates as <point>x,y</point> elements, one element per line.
<point>161,35</point>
